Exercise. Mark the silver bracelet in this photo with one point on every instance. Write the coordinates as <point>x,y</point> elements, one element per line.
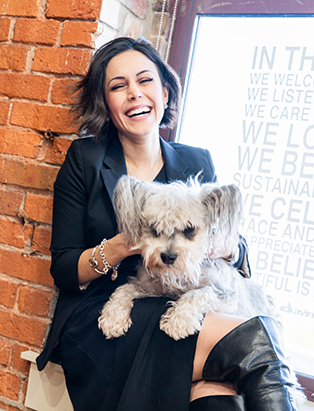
<point>94,263</point>
<point>107,266</point>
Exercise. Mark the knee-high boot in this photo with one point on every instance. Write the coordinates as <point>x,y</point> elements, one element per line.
<point>218,403</point>
<point>251,357</point>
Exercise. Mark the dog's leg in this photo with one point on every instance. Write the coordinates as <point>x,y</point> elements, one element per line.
<point>115,319</point>
<point>185,317</point>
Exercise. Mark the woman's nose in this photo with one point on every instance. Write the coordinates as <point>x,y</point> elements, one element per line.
<point>134,92</point>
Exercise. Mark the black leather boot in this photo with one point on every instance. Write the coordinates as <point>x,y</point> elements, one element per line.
<point>218,403</point>
<point>251,357</point>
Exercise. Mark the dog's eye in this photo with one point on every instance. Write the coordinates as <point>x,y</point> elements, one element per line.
<point>189,232</point>
<point>154,232</point>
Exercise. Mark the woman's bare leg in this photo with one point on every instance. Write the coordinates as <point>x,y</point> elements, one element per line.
<point>215,327</point>
<point>204,388</point>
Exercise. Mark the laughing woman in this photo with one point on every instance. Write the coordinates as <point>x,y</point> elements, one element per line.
<point>232,364</point>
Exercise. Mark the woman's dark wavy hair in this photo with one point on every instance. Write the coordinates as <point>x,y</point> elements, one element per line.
<point>90,107</point>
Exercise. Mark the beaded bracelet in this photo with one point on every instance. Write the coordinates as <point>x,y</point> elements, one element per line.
<point>107,266</point>
<point>94,263</point>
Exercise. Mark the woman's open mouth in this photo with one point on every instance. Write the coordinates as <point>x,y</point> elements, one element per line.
<point>139,111</point>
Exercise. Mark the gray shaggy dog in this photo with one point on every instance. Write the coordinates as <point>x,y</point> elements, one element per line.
<point>177,226</point>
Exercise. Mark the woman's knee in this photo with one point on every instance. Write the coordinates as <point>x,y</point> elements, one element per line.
<point>215,327</point>
<point>206,388</point>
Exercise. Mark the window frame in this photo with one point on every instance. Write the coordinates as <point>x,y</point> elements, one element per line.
<point>179,59</point>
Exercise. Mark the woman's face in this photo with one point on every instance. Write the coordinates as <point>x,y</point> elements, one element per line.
<point>134,94</point>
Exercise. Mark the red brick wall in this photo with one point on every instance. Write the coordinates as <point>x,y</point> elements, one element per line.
<point>45,45</point>
<point>41,52</point>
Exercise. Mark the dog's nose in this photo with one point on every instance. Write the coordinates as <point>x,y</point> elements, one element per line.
<point>168,258</point>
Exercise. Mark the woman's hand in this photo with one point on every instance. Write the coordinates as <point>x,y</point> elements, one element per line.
<point>116,249</point>
<point>227,253</point>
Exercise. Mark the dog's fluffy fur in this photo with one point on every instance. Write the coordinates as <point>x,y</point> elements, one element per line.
<point>177,226</point>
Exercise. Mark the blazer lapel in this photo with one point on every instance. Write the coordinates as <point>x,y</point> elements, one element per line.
<point>114,165</point>
<point>176,168</point>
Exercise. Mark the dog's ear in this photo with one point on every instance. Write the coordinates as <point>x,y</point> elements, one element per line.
<point>128,200</point>
<point>224,205</point>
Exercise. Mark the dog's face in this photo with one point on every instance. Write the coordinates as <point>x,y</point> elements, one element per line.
<point>173,224</point>
<point>174,231</point>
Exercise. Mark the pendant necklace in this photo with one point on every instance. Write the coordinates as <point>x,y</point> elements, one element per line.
<point>151,173</point>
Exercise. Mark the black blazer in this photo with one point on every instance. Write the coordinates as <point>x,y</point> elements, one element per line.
<point>84,215</point>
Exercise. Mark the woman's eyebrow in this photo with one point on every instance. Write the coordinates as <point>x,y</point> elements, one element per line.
<point>116,78</point>
<point>143,71</point>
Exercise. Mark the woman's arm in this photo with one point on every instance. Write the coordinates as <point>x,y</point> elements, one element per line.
<point>68,224</point>
<point>74,234</point>
<point>242,263</point>
<point>116,249</point>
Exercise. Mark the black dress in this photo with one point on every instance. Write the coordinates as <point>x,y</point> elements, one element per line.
<point>145,369</point>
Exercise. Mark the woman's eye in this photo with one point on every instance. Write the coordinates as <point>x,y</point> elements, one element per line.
<point>146,80</point>
<point>116,87</point>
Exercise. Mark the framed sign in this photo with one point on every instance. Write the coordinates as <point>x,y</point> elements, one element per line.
<point>249,99</point>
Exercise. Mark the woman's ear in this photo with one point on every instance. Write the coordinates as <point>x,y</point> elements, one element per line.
<point>165,95</point>
<point>108,114</point>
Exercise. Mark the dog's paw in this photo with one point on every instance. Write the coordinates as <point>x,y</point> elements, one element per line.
<point>179,324</point>
<point>113,325</point>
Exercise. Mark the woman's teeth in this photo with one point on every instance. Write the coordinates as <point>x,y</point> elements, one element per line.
<point>138,111</point>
